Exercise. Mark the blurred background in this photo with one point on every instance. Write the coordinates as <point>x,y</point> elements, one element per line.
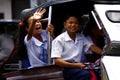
<point>10,9</point>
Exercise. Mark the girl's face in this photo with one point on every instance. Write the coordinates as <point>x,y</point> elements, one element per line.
<point>72,24</point>
<point>37,28</point>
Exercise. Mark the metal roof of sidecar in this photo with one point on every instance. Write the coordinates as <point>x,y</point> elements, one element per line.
<point>72,4</point>
<point>78,2</point>
<point>106,1</point>
<point>68,5</point>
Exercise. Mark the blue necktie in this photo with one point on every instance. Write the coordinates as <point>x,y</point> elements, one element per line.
<point>43,55</point>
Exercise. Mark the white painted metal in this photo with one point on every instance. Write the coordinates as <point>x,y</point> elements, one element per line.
<point>113,29</point>
<point>112,66</point>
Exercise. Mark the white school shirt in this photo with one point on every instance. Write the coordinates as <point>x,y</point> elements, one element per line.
<point>64,47</point>
<point>33,49</point>
<point>89,51</point>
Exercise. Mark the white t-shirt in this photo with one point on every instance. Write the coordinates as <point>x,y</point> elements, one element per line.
<point>33,49</point>
<point>67,49</point>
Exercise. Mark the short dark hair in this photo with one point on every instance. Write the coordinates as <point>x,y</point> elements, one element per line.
<point>26,13</point>
<point>74,15</point>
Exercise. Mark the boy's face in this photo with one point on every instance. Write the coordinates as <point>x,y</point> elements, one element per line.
<point>72,24</point>
<point>37,28</point>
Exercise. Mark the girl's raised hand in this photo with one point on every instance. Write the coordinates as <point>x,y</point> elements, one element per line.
<point>39,13</point>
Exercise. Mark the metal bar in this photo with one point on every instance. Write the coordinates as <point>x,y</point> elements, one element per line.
<point>49,22</point>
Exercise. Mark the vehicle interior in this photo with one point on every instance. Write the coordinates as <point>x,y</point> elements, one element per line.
<point>82,8</point>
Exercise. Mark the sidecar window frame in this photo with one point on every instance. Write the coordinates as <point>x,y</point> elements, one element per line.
<point>113,16</point>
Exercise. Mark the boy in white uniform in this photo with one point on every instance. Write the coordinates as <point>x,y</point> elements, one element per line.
<point>68,50</point>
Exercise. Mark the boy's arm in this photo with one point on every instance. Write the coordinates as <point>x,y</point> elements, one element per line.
<point>96,49</point>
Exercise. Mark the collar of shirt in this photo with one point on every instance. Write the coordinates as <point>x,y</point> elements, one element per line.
<point>44,37</point>
<point>67,37</point>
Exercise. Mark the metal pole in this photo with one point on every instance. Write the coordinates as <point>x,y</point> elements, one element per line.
<point>49,22</point>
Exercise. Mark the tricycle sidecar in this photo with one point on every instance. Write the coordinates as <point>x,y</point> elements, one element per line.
<point>107,17</point>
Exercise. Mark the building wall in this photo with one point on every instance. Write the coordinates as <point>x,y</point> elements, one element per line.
<point>5,8</point>
<point>11,9</point>
<point>18,6</point>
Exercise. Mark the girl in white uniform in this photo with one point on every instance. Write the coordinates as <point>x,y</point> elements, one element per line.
<point>35,39</point>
